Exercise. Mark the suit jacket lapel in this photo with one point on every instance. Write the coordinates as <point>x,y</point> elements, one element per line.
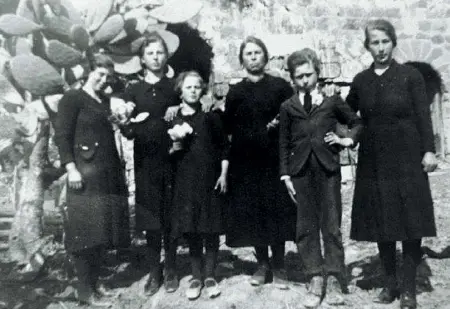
<point>297,106</point>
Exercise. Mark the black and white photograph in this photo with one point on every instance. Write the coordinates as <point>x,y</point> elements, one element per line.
<point>224,154</point>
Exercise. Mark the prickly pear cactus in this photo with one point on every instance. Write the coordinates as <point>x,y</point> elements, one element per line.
<point>50,44</point>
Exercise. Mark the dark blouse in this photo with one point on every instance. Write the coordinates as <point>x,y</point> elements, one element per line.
<point>75,124</point>
<point>154,99</point>
<point>399,93</point>
<point>249,107</point>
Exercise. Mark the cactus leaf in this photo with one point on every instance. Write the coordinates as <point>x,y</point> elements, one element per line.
<point>34,74</point>
<point>12,24</point>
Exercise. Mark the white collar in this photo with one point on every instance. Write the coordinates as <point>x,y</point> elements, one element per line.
<point>316,96</point>
<point>314,93</point>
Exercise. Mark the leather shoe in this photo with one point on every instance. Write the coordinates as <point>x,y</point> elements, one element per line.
<point>171,282</point>
<point>194,290</point>
<point>153,283</point>
<point>315,292</point>
<point>387,296</point>
<point>212,287</point>
<point>260,276</point>
<point>408,301</point>
<point>333,294</point>
<point>280,279</point>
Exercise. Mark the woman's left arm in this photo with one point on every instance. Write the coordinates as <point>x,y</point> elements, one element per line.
<point>423,119</point>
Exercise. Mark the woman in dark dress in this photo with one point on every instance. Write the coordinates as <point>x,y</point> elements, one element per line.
<point>97,195</point>
<point>260,213</point>
<point>152,169</point>
<point>200,176</point>
<point>392,200</point>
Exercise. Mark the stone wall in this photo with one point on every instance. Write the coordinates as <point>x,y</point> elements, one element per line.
<point>334,28</point>
<point>327,26</point>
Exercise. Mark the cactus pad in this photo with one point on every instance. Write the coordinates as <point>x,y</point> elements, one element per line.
<point>79,36</point>
<point>175,11</point>
<point>62,55</point>
<point>9,93</point>
<point>12,24</point>
<point>59,25</point>
<point>34,74</point>
<point>97,14</point>
<point>109,29</point>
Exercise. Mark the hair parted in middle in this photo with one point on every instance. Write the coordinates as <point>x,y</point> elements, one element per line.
<point>381,25</point>
<point>256,41</point>
<point>153,37</point>
<point>183,75</point>
<point>300,57</point>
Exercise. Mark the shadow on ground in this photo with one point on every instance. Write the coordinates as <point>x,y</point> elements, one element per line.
<point>369,274</point>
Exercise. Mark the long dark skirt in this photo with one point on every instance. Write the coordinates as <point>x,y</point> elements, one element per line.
<point>260,211</point>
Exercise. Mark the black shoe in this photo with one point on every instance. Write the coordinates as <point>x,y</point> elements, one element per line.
<point>260,276</point>
<point>408,301</point>
<point>387,296</point>
<point>280,279</point>
<point>171,282</point>
<point>153,283</point>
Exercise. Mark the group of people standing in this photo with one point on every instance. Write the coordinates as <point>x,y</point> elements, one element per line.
<point>264,171</point>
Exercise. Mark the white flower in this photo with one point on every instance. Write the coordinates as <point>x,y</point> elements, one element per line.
<point>120,109</point>
<point>180,131</point>
<point>316,97</point>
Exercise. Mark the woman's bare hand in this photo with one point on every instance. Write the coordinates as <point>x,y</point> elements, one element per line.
<point>74,178</point>
<point>429,162</point>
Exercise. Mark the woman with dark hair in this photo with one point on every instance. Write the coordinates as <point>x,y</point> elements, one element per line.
<point>97,204</point>
<point>200,179</point>
<point>154,95</point>
<point>392,200</point>
<point>260,212</point>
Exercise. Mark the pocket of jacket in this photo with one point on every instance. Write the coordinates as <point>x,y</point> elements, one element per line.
<point>87,151</point>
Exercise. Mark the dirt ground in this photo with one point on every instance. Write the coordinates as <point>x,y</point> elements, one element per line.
<point>126,274</point>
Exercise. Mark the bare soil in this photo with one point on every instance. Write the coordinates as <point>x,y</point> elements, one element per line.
<point>126,273</point>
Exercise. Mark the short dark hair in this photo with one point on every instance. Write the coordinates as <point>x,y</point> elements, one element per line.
<point>256,41</point>
<point>300,57</point>
<point>102,61</point>
<point>153,37</point>
<point>183,75</point>
<point>381,25</point>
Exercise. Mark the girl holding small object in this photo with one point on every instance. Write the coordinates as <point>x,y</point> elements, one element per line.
<point>199,150</point>
<point>153,175</point>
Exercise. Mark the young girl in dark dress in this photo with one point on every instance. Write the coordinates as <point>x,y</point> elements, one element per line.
<point>200,177</point>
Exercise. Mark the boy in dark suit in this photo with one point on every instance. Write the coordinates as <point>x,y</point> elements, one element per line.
<point>310,169</point>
